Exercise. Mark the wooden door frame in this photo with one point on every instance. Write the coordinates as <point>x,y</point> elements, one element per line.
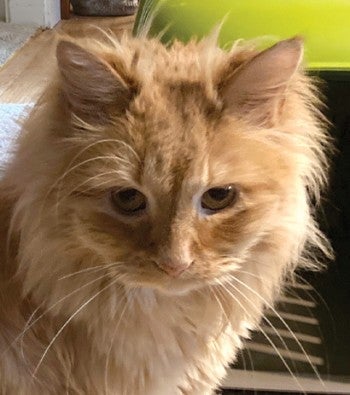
<point>65,9</point>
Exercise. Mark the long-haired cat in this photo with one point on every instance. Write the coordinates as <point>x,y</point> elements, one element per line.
<point>157,199</point>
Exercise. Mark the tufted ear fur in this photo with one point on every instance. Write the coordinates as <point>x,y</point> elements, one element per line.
<point>94,90</point>
<point>257,88</point>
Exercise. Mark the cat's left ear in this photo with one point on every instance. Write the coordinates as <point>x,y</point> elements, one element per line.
<point>256,90</point>
<point>93,88</point>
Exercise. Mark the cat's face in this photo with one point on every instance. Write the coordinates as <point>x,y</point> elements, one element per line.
<point>172,186</point>
<point>165,168</point>
<point>174,217</point>
<point>176,241</point>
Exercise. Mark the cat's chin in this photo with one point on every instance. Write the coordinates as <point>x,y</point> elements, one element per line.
<point>180,288</point>
<point>175,288</point>
<point>167,286</point>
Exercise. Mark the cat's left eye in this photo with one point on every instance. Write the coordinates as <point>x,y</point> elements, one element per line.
<point>219,198</point>
<point>128,201</point>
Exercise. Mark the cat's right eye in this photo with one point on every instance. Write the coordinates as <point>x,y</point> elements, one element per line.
<point>219,198</point>
<point>128,201</point>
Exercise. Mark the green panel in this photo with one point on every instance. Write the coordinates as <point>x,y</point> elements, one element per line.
<point>325,24</point>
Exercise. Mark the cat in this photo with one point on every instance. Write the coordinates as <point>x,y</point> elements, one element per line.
<point>158,198</point>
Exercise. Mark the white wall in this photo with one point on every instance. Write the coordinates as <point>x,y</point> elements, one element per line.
<point>52,12</point>
<point>45,13</point>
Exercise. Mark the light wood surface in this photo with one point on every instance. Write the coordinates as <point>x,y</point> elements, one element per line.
<point>24,77</point>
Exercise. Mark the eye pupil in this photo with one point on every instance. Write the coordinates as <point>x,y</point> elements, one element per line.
<point>219,198</point>
<point>218,193</point>
<point>128,201</point>
<point>128,194</point>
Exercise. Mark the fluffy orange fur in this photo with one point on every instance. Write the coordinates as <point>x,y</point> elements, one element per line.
<point>87,304</point>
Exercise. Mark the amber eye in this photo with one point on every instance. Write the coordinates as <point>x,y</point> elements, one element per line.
<point>129,201</point>
<point>219,198</point>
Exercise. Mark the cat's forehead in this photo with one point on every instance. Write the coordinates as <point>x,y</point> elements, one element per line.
<point>174,118</point>
<point>181,77</point>
<point>191,61</point>
<point>175,138</point>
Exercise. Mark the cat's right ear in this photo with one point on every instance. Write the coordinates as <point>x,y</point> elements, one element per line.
<point>94,90</point>
<point>257,89</point>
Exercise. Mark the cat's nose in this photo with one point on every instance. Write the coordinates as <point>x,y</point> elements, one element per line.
<point>173,268</point>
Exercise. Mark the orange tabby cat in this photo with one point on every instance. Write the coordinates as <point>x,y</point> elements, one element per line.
<point>157,199</point>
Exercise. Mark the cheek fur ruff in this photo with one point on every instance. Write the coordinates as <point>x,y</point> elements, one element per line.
<point>83,307</point>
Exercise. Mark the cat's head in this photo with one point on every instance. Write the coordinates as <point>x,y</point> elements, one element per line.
<point>175,167</point>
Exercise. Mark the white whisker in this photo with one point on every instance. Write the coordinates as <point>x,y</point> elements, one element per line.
<point>266,336</point>
<point>267,320</point>
<point>319,296</point>
<point>295,356</point>
<point>86,149</point>
<point>25,328</point>
<point>49,309</point>
<point>89,160</point>
<point>249,355</point>
<point>67,322</point>
<point>269,305</point>
<point>77,187</point>
<point>89,269</point>
<point>127,302</point>
<point>69,166</point>
<point>212,290</point>
<point>294,317</point>
<point>287,334</point>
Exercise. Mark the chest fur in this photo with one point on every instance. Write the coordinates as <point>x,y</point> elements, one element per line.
<point>157,345</point>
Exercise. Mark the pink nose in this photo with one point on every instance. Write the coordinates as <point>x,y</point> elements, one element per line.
<point>174,269</point>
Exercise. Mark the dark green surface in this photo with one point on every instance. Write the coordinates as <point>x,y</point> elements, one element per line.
<point>335,285</point>
<point>246,392</point>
